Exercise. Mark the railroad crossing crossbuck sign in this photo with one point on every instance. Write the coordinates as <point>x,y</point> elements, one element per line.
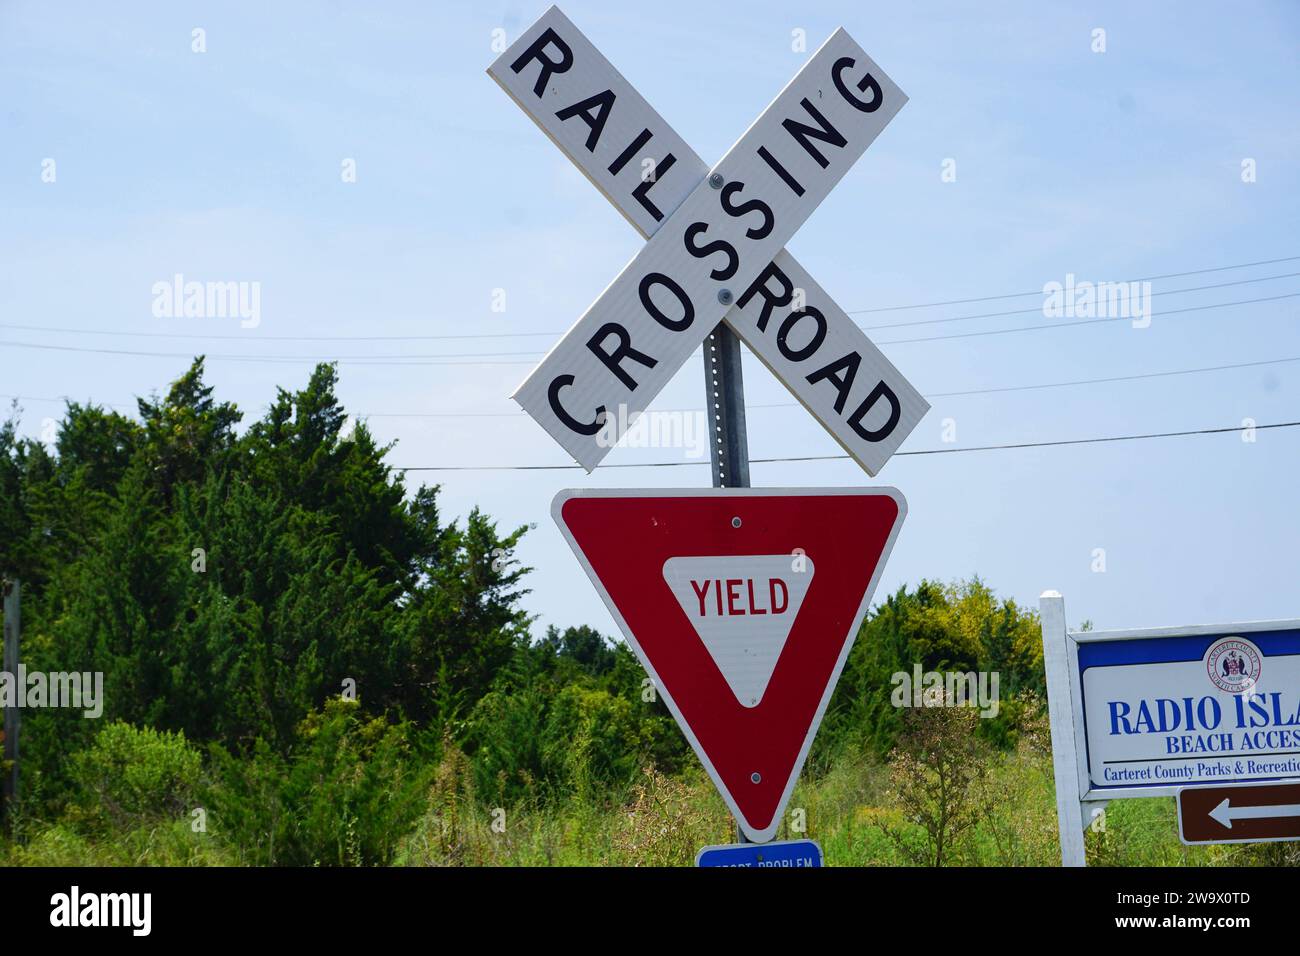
<point>714,248</point>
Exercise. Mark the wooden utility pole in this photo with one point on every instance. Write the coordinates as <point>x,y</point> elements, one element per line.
<point>13,627</point>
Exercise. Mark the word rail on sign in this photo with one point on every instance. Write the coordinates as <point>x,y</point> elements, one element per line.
<point>707,253</point>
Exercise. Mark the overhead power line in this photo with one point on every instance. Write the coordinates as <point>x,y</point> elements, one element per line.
<point>521,416</point>
<point>928,395</point>
<point>502,358</point>
<point>1017,295</point>
<point>803,458</point>
<point>507,335</point>
<point>1065,325</point>
<point>291,359</point>
<point>1039,309</point>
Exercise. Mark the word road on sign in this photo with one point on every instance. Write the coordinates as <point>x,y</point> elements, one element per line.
<point>714,248</point>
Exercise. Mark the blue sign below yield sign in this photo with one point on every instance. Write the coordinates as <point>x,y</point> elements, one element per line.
<point>778,855</point>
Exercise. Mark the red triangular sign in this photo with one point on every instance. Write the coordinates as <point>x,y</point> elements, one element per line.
<point>742,605</point>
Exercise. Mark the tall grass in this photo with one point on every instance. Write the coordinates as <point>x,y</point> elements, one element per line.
<point>663,820</point>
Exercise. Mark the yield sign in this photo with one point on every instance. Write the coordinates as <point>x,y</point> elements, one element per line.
<point>742,605</point>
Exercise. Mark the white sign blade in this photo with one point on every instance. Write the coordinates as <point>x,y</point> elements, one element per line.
<point>828,363</point>
<point>599,121</point>
<point>838,398</point>
<point>622,352</point>
<point>742,607</point>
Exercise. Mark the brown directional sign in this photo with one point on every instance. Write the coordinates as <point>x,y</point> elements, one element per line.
<point>1246,813</point>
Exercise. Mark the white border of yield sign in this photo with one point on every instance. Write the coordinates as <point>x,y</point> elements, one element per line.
<point>715,245</point>
<point>664,689</point>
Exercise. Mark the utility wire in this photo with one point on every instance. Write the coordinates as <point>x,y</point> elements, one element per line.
<point>506,335</point>
<point>1066,325</point>
<point>491,358</point>
<point>803,458</point>
<point>293,359</point>
<point>928,395</point>
<point>521,416</point>
<point>1017,295</point>
<point>1039,309</point>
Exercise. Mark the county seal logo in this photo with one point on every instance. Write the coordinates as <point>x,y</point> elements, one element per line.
<point>1234,664</point>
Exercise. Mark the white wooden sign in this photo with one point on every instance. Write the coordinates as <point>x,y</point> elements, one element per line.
<point>1145,713</point>
<point>715,244</point>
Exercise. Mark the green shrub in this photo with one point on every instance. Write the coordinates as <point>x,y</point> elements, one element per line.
<point>354,787</point>
<point>246,803</point>
<point>503,736</point>
<point>134,775</point>
<point>350,791</point>
<point>592,743</point>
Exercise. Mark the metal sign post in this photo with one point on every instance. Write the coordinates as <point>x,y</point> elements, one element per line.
<point>725,399</point>
<point>728,440</point>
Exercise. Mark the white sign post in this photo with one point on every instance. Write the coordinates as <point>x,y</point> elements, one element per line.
<point>1147,713</point>
<point>714,248</point>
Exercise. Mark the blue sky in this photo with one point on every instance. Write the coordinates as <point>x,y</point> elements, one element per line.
<point>225,166</point>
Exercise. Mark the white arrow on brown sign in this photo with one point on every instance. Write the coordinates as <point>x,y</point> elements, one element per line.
<point>714,246</point>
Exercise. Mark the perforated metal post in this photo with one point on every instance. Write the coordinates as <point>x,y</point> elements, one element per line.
<point>725,402</point>
<point>724,389</point>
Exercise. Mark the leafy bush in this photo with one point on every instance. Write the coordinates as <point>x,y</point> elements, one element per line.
<point>132,775</point>
<point>454,829</point>
<point>592,744</point>
<point>938,776</point>
<point>958,627</point>
<point>503,734</point>
<point>350,791</point>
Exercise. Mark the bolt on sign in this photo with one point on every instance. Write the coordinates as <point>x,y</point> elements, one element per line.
<point>1147,713</point>
<point>714,248</point>
<point>742,604</point>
